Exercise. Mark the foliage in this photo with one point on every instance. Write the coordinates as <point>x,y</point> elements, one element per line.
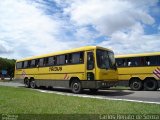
<point>7,64</point>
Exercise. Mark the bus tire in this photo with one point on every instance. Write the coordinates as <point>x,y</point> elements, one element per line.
<point>33,84</point>
<point>150,85</point>
<point>76,87</point>
<point>27,83</point>
<point>136,84</point>
<point>93,90</point>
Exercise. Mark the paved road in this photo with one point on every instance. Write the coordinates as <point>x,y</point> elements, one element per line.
<point>128,95</point>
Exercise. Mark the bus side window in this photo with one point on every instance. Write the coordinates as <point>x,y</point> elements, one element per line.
<point>37,63</point>
<point>60,59</point>
<point>69,58</point>
<point>19,65</point>
<point>121,62</point>
<point>41,62</point>
<point>153,60</point>
<point>29,64</point>
<point>158,63</point>
<point>128,62</point>
<point>90,61</point>
<point>25,64</point>
<point>135,61</point>
<point>66,59</point>
<point>46,61</point>
<point>81,59</point>
<point>75,58</point>
<point>147,61</point>
<point>33,62</point>
<point>54,60</point>
<point>142,61</point>
<point>50,61</point>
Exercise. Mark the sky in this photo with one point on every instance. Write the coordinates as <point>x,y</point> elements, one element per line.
<point>34,27</point>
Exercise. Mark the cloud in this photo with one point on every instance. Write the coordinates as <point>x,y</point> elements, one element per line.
<point>27,30</point>
<point>35,27</point>
<point>121,21</point>
<point>4,50</point>
<point>109,16</point>
<point>133,42</point>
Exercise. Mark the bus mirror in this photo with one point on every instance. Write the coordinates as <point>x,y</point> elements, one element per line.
<point>37,66</point>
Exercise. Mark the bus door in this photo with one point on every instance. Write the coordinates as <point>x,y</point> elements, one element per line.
<point>90,70</point>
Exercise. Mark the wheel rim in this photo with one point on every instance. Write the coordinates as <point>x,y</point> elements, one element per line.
<point>136,85</point>
<point>32,84</point>
<point>27,83</point>
<point>76,86</point>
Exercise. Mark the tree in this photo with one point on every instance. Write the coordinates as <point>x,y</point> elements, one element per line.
<point>7,64</point>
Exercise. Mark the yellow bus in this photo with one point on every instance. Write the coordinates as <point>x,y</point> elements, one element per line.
<point>89,67</point>
<point>139,71</point>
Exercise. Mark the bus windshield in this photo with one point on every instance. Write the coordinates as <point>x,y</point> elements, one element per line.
<point>105,59</point>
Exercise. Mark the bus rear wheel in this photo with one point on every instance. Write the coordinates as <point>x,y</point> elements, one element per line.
<point>76,87</point>
<point>150,84</point>
<point>136,84</point>
<point>33,84</point>
<point>27,83</point>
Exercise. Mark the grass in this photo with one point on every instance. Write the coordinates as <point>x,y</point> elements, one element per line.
<point>28,101</point>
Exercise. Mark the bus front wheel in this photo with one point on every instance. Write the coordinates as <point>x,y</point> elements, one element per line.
<point>136,84</point>
<point>76,87</point>
<point>150,84</point>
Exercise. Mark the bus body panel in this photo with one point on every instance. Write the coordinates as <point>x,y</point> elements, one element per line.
<point>142,66</point>
<point>140,72</point>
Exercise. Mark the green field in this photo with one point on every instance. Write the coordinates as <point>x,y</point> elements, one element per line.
<point>28,101</point>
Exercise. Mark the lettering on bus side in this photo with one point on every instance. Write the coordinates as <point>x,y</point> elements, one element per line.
<point>55,68</point>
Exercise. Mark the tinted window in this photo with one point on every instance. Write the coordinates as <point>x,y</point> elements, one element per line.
<point>50,61</point>
<point>54,60</point>
<point>152,60</point>
<point>90,61</point>
<point>19,65</point>
<point>66,59</point>
<point>111,59</point>
<point>75,58</point>
<point>25,64</point>
<point>158,60</point>
<point>46,60</point>
<point>134,61</point>
<point>37,62</point>
<point>61,59</point>
<point>121,62</point>
<point>29,63</point>
<point>33,63</point>
<point>138,61</point>
<point>81,60</point>
<point>41,62</point>
<point>103,61</point>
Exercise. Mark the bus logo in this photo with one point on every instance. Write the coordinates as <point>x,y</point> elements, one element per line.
<point>55,68</point>
<point>156,72</point>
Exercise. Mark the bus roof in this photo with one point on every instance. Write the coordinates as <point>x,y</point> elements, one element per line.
<point>137,55</point>
<point>65,51</point>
